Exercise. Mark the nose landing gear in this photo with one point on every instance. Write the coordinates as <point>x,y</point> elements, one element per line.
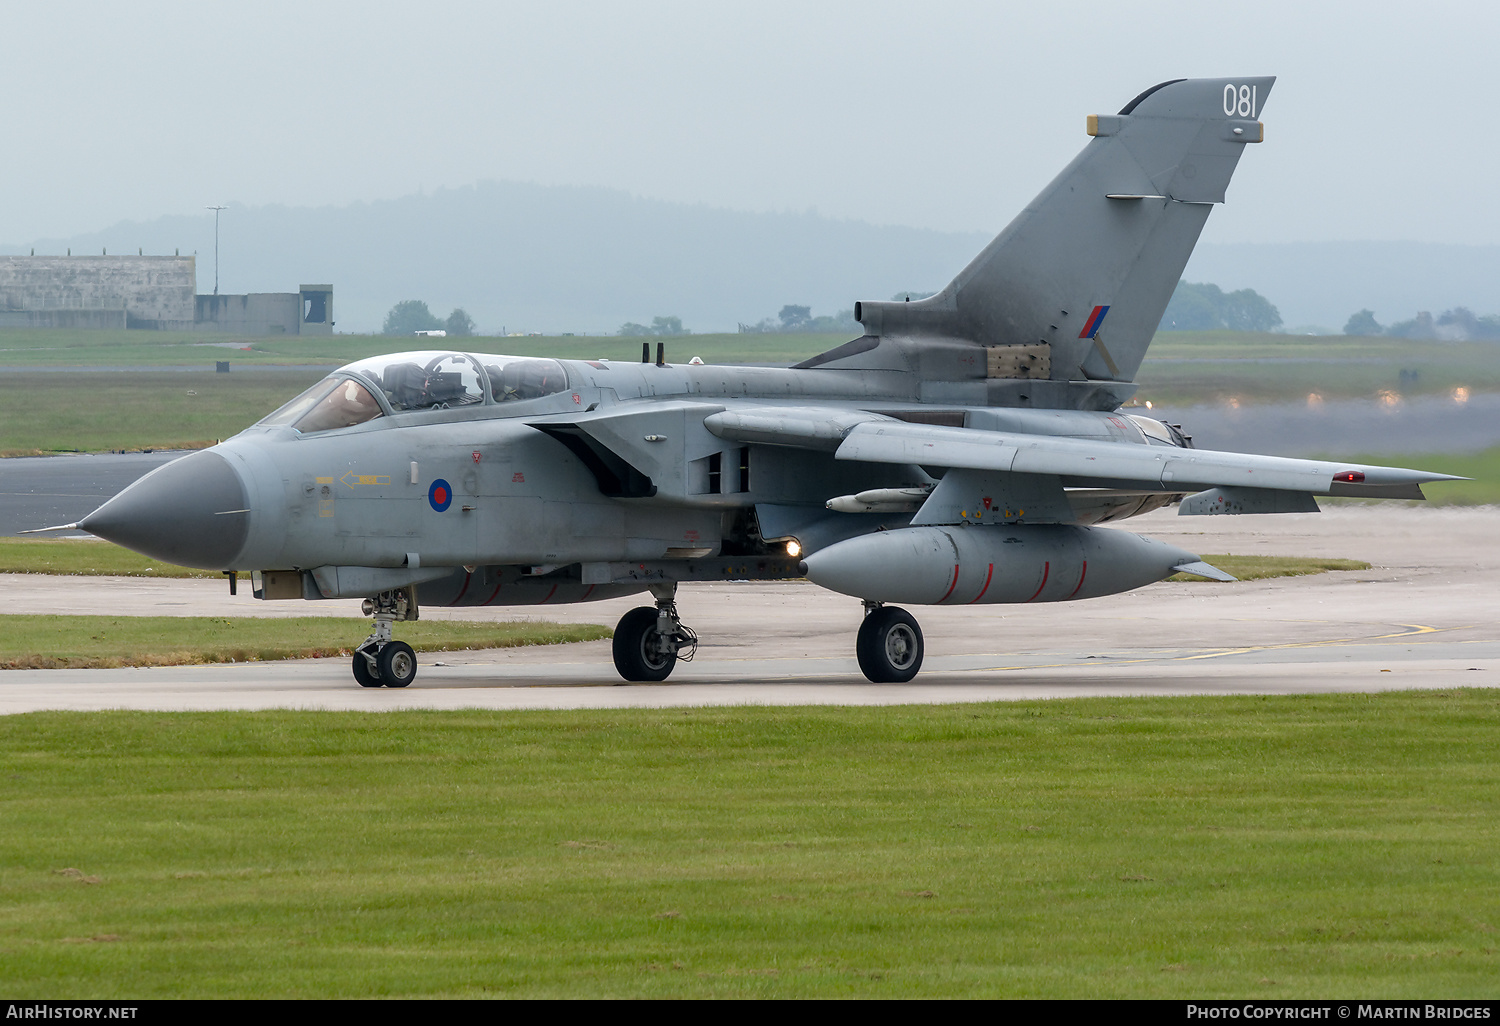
<point>380,661</point>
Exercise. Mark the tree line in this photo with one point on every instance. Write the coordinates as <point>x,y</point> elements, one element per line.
<point>1195,306</point>
<point>412,316</point>
<point>800,319</point>
<point>1205,307</point>
<point>1456,325</point>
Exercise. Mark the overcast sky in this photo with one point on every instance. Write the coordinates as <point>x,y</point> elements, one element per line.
<point>936,115</point>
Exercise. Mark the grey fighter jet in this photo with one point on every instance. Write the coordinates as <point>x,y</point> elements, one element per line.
<point>964,449</point>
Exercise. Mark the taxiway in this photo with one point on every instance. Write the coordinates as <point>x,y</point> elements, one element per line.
<point>1426,615</point>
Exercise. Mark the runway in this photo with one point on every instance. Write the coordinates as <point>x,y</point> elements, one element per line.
<point>1427,615</point>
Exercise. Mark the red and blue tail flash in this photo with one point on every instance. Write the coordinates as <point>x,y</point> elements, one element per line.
<point>1095,319</point>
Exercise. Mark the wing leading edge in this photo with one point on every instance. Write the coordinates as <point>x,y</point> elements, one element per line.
<point>1089,463</point>
<point>1247,480</point>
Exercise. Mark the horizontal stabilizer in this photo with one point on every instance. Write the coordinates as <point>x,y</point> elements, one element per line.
<point>1202,569</point>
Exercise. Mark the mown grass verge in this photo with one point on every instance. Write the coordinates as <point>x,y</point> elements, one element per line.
<point>1256,568</point>
<point>97,642</point>
<point>86,558</point>
<point>1331,846</point>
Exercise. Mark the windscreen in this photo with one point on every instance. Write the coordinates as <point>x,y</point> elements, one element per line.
<point>334,402</point>
<point>417,381</point>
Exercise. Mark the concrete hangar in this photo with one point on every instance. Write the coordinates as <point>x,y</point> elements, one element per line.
<point>153,292</point>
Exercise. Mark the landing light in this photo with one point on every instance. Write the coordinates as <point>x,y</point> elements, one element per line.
<point>794,548</point>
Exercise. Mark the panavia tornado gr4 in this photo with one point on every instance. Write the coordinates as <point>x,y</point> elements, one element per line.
<point>965,449</point>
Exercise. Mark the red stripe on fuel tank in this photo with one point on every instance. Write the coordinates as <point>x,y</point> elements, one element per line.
<point>1082,574</point>
<point>1046,569</point>
<point>951,586</point>
<point>493,595</point>
<point>462,591</point>
<point>549,595</point>
<point>588,593</point>
<point>987,578</point>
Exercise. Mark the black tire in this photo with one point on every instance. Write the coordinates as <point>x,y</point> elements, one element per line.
<point>889,647</point>
<point>635,652</point>
<point>398,664</point>
<point>367,678</point>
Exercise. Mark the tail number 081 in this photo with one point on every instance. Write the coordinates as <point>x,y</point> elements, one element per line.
<point>1240,101</point>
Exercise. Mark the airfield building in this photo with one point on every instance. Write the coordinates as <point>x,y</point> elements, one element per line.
<point>153,292</point>
<point>98,292</point>
<point>308,311</point>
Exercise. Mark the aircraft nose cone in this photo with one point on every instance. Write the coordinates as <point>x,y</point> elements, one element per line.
<point>191,512</point>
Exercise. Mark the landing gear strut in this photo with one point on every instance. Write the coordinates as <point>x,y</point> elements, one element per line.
<point>648,642</point>
<point>380,661</point>
<point>889,646</point>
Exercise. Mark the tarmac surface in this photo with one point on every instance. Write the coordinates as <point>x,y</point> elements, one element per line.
<point>46,491</point>
<point>1427,615</point>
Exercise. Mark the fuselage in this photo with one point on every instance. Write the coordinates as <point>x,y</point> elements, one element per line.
<point>589,461</point>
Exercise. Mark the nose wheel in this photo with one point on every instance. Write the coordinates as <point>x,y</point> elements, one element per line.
<point>380,661</point>
<point>889,646</point>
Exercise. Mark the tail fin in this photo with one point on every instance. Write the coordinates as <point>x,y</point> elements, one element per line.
<point>1083,275</point>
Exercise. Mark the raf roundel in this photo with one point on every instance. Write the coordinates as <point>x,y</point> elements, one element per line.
<point>440,495</point>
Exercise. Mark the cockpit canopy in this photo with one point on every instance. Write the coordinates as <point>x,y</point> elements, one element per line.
<point>407,382</point>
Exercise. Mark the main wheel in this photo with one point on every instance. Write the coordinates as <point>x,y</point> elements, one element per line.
<point>398,664</point>
<point>889,646</point>
<point>367,678</point>
<point>637,647</point>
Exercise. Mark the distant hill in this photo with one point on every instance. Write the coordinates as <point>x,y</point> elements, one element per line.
<point>550,258</point>
<point>557,258</point>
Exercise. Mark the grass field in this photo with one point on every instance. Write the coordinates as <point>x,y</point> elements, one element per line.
<point>93,412</point>
<point>1259,568</point>
<point>32,642</point>
<point>48,411</point>
<point>1207,367</point>
<point>1265,847</point>
<point>1180,367</point>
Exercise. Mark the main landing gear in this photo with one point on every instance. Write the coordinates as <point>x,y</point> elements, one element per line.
<point>889,646</point>
<point>380,661</point>
<point>648,642</point>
